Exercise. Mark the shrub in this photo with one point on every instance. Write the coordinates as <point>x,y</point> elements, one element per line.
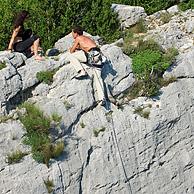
<point>188,4</point>
<point>139,27</point>
<point>165,17</point>
<point>37,126</point>
<point>35,120</point>
<point>145,61</point>
<point>15,157</point>
<point>149,61</point>
<point>45,76</point>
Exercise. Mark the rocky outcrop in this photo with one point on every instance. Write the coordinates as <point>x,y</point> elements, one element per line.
<point>115,151</point>
<point>129,15</point>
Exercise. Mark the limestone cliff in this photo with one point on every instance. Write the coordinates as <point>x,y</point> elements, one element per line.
<point>130,154</point>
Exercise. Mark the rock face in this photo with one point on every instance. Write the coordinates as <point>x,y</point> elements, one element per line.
<point>106,152</point>
<point>129,15</point>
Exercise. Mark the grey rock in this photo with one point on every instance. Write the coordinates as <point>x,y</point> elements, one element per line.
<point>189,25</point>
<point>173,10</point>
<point>184,67</point>
<point>128,15</point>
<point>117,72</point>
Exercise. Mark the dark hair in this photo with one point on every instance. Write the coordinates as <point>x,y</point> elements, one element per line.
<point>78,30</point>
<point>21,16</point>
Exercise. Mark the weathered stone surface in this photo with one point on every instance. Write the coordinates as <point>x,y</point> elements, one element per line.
<point>173,10</point>
<point>184,67</point>
<point>107,152</point>
<point>117,72</point>
<point>176,33</point>
<point>128,15</point>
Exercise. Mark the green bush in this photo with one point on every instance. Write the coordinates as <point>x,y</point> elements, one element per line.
<point>165,17</point>
<point>188,4</point>
<point>37,126</point>
<point>45,76</point>
<point>52,20</point>
<point>35,120</point>
<point>149,61</point>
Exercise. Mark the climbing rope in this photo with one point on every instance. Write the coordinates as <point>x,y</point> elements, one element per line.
<point>115,136</point>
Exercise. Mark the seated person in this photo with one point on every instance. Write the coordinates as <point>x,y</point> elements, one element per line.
<point>22,40</point>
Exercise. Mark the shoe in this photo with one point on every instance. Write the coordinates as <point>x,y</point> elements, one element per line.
<point>112,99</point>
<point>81,75</point>
<point>102,102</point>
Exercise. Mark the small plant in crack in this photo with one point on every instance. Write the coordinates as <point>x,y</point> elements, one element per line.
<point>49,185</point>
<point>82,125</point>
<point>109,116</point>
<point>56,118</point>
<point>143,113</point>
<point>5,118</point>
<point>68,105</point>
<point>2,65</point>
<point>98,130</point>
<point>15,156</point>
<point>37,126</point>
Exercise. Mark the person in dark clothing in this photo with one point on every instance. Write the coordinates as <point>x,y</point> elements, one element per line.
<point>22,40</point>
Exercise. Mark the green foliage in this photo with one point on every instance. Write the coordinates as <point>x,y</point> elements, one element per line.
<point>52,20</point>
<point>37,126</point>
<point>2,65</point>
<point>15,157</point>
<point>165,17</point>
<point>45,76</point>
<point>188,4</point>
<point>98,130</point>
<point>49,185</point>
<point>35,120</point>
<point>145,61</point>
<point>149,61</point>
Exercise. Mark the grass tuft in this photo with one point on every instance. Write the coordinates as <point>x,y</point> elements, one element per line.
<point>15,157</point>
<point>49,185</point>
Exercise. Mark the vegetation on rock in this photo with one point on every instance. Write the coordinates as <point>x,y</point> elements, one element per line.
<point>52,20</point>
<point>37,126</point>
